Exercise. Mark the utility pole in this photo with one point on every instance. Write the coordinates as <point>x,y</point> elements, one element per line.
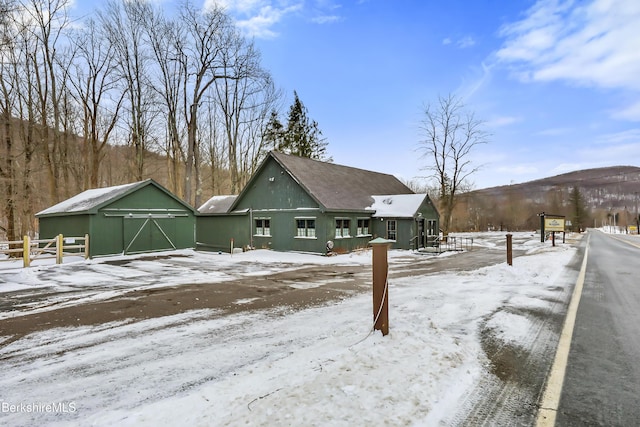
<point>637,217</point>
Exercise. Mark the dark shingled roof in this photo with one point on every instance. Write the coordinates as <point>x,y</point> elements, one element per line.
<point>339,187</point>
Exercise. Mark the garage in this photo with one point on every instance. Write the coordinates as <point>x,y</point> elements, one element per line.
<point>126,219</point>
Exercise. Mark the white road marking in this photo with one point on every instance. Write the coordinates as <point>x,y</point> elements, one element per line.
<point>553,391</point>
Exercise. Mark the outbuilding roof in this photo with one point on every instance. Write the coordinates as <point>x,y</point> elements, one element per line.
<point>217,204</point>
<point>90,201</point>
<point>338,187</point>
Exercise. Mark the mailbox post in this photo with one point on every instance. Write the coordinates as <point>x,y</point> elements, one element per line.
<point>380,284</point>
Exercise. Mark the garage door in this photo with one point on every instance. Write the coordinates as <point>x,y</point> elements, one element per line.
<point>149,233</point>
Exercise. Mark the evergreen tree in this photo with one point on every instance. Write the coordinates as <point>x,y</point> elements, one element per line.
<point>273,133</point>
<point>578,209</point>
<point>301,137</point>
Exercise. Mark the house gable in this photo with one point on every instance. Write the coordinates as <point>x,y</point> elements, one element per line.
<point>273,188</point>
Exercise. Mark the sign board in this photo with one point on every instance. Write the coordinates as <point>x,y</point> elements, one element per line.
<point>554,224</point>
<point>633,228</point>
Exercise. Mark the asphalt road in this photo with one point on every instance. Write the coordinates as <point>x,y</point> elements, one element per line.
<point>602,380</point>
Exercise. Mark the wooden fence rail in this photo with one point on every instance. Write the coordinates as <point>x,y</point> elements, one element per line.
<point>32,249</point>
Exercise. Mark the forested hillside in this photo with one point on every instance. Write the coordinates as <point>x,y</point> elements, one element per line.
<point>130,93</point>
<point>607,196</point>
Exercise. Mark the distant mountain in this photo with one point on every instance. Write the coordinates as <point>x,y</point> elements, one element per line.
<point>610,195</point>
<point>614,187</point>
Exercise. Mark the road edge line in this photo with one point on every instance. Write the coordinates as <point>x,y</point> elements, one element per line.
<point>553,391</point>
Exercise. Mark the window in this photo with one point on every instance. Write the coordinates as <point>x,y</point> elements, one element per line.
<point>391,229</point>
<point>306,227</point>
<point>342,228</point>
<point>263,227</point>
<point>432,230</point>
<point>363,227</point>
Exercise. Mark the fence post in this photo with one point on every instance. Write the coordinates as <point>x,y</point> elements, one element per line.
<point>59,248</point>
<point>86,246</point>
<point>380,269</point>
<point>509,249</point>
<point>26,251</point>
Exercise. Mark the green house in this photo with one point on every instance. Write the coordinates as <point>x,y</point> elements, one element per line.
<point>298,204</point>
<point>132,218</point>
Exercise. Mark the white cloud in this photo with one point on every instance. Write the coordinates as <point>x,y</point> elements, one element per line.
<point>481,76</point>
<point>462,43</point>
<point>326,19</point>
<point>630,113</point>
<point>627,136</point>
<point>591,43</point>
<point>555,132</point>
<point>466,42</point>
<point>522,169</point>
<point>257,18</point>
<point>502,121</point>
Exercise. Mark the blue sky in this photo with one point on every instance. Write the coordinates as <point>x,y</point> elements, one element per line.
<point>557,82</point>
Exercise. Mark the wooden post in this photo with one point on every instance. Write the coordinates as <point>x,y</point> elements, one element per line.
<point>380,285</point>
<point>26,251</point>
<point>59,248</point>
<point>510,249</point>
<point>86,246</point>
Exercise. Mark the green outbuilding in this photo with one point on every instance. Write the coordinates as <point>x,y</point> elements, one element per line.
<point>125,219</point>
<point>298,204</point>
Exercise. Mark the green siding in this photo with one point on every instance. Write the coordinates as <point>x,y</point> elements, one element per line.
<point>274,195</point>
<point>214,232</point>
<point>72,226</point>
<point>147,197</point>
<point>156,219</point>
<point>275,189</point>
<point>406,228</point>
<point>106,235</point>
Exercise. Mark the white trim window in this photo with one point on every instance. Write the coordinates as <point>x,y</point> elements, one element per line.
<point>342,228</point>
<point>392,229</point>
<point>432,229</point>
<point>306,228</point>
<point>363,227</point>
<point>263,227</point>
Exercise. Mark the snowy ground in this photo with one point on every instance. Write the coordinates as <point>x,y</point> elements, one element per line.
<point>319,366</point>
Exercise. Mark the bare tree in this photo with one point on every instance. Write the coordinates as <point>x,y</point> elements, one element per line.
<point>451,133</point>
<point>96,89</point>
<point>18,87</point>
<point>123,21</point>
<point>209,34</point>
<point>7,171</point>
<point>166,37</point>
<point>213,147</point>
<point>47,20</point>
<point>244,101</point>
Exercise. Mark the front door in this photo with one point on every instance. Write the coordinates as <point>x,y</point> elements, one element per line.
<point>420,238</point>
<point>432,232</point>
